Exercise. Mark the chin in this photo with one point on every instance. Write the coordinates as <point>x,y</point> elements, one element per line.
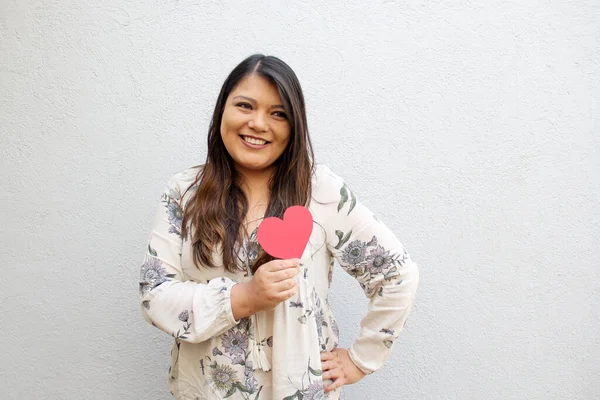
<point>255,166</point>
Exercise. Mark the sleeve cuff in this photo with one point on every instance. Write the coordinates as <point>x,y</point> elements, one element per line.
<point>216,304</point>
<point>227,303</point>
<point>358,362</point>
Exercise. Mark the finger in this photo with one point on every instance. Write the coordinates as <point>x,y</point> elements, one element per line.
<point>336,384</point>
<point>285,285</point>
<point>332,374</point>
<point>284,274</point>
<point>327,355</point>
<point>328,365</point>
<point>278,265</point>
<point>287,294</point>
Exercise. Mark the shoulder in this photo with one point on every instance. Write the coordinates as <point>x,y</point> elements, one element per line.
<point>326,184</point>
<point>180,181</point>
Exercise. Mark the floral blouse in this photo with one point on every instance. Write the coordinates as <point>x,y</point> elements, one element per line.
<point>273,354</point>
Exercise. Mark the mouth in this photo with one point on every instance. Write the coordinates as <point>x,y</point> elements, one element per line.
<point>254,140</point>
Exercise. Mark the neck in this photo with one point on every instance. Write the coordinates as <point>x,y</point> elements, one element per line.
<point>255,184</point>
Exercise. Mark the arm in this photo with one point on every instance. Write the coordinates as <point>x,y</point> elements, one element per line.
<point>190,311</point>
<point>372,254</point>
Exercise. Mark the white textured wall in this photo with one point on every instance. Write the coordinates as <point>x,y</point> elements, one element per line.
<point>470,127</point>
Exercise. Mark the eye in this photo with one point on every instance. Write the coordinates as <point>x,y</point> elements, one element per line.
<point>280,114</point>
<point>245,105</point>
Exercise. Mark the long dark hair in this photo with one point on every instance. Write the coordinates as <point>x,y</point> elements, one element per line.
<point>216,209</point>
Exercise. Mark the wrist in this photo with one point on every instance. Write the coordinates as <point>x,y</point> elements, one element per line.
<point>241,304</point>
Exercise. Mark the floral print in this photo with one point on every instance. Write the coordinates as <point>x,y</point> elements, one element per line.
<point>174,214</point>
<point>334,327</point>
<point>378,260</point>
<point>249,251</point>
<point>185,330</point>
<point>152,274</point>
<point>314,392</point>
<point>344,192</point>
<point>355,253</point>
<point>223,377</point>
<point>230,369</point>
<point>215,357</point>
<point>312,386</point>
<point>174,211</point>
<point>183,317</point>
<point>216,352</point>
<point>342,239</point>
<point>235,342</point>
<point>371,259</point>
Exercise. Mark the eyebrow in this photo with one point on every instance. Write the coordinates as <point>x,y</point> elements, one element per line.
<point>250,99</point>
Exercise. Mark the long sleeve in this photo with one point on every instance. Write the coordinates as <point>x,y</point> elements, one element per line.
<point>190,311</point>
<point>371,253</point>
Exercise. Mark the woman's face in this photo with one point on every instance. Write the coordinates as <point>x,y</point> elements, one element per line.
<point>254,127</point>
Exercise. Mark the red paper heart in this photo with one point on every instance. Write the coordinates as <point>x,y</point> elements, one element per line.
<point>286,238</point>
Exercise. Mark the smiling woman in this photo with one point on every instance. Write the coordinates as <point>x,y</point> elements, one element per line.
<point>261,99</point>
<point>247,326</point>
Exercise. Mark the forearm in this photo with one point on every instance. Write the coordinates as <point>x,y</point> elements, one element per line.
<point>388,311</point>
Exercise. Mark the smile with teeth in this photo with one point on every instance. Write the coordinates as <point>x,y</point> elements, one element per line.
<point>252,140</point>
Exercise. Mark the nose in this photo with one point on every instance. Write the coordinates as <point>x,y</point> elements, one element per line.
<point>258,123</point>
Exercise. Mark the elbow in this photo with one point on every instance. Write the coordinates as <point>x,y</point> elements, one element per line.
<point>144,308</point>
<point>194,339</point>
<point>412,276</point>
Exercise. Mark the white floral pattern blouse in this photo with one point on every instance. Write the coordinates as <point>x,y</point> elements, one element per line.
<point>274,354</point>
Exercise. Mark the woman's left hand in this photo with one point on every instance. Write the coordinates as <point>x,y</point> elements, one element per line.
<point>338,367</point>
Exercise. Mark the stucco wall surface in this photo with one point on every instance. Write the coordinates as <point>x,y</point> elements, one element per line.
<point>470,128</point>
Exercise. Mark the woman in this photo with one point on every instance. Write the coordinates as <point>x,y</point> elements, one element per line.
<point>248,326</point>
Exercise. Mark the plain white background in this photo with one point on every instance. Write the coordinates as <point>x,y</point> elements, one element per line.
<point>469,127</point>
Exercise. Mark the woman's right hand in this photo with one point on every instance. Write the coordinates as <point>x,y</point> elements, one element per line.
<point>271,284</point>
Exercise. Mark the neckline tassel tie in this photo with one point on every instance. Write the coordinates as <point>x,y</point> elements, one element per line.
<point>257,353</point>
